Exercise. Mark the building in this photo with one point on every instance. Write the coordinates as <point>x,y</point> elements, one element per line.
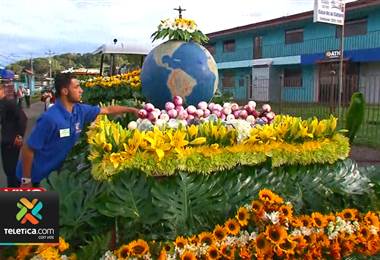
<point>294,59</point>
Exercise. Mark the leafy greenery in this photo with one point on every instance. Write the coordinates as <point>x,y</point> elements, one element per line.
<point>355,115</point>
<point>161,208</point>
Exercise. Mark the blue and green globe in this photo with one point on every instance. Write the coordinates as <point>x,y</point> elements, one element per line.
<point>177,68</point>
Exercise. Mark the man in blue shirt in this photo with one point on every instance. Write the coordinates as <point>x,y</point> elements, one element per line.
<point>57,130</point>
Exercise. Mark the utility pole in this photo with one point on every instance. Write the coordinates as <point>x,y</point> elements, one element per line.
<point>50,53</point>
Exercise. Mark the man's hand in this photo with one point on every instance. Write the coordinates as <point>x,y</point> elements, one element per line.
<point>135,111</point>
<point>18,141</point>
<point>26,185</point>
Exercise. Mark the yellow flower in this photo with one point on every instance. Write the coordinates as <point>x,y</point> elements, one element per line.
<point>107,147</point>
<point>232,227</point>
<point>177,140</point>
<point>50,253</point>
<point>242,216</point>
<point>206,238</point>
<point>198,141</point>
<point>116,159</point>
<point>62,245</point>
<point>123,252</point>
<point>192,131</point>
<point>157,143</point>
<point>138,248</point>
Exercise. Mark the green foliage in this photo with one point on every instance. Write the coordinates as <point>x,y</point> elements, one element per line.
<point>355,115</point>
<point>96,95</point>
<point>161,208</point>
<point>95,247</point>
<point>222,97</point>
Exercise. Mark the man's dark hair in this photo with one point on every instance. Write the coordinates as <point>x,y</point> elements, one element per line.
<point>61,81</point>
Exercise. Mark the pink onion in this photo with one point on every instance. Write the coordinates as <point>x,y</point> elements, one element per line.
<point>217,107</point>
<point>178,101</point>
<point>199,112</point>
<point>270,115</point>
<point>169,106</point>
<point>164,117</point>
<point>243,114</point>
<point>227,110</point>
<point>149,107</point>
<point>230,117</point>
<point>190,117</point>
<point>206,112</point>
<point>172,113</point>
<point>236,113</point>
<point>202,105</point>
<point>266,107</point>
<point>211,106</point>
<point>234,106</point>
<point>182,114</point>
<point>218,113</point>
<point>191,109</point>
<point>251,119</point>
<point>252,104</point>
<point>143,113</point>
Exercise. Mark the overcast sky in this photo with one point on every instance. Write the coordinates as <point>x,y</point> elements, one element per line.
<point>32,27</point>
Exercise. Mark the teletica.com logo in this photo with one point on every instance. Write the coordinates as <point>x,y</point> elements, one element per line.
<point>29,211</point>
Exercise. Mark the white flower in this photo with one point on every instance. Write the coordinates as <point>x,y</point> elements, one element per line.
<point>373,230</point>
<point>273,217</point>
<point>108,256</point>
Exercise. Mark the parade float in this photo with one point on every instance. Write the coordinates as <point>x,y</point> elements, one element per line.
<point>193,179</point>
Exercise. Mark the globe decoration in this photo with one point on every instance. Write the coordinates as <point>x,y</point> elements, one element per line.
<point>179,67</point>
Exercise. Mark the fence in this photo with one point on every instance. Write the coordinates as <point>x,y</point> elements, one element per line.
<point>320,99</point>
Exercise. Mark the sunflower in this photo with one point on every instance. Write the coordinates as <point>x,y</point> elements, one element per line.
<point>180,242</point>
<point>123,252</point>
<point>349,214</point>
<point>163,255</point>
<point>227,251</point>
<point>193,240</point>
<point>364,232</point>
<point>63,245</point>
<point>318,220</point>
<point>262,244</point>
<point>301,243</point>
<point>138,248</point>
<point>212,253</point>
<point>168,246</point>
<point>220,232</point>
<point>245,253</point>
<point>286,211</point>
<point>306,221</point>
<point>188,255</point>
<point>330,218</point>
<point>287,247</point>
<point>23,252</point>
<point>257,206</point>
<point>232,227</point>
<point>206,238</point>
<point>371,219</point>
<point>276,234</point>
<point>242,216</point>
<point>296,222</point>
<point>270,197</point>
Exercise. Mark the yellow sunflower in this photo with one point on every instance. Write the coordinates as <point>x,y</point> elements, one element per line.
<point>276,234</point>
<point>138,248</point>
<point>286,211</point>
<point>318,220</point>
<point>193,240</point>
<point>227,251</point>
<point>242,216</point>
<point>306,221</point>
<point>270,197</point>
<point>262,244</point>
<point>232,227</point>
<point>206,238</point>
<point>257,206</point>
<point>123,252</point>
<point>220,232</point>
<point>349,214</point>
<point>287,247</point>
<point>372,219</point>
<point>23,252</point>
<point>212,253</point>
<point>188,255</point>
<point>180,242</point>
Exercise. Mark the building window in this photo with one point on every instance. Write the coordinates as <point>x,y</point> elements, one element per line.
<point>258,47</point>
<point>210,48</point>
<point>228,79</point>
<point>352,28</point>
<point>293,36</point>
<point>293,77</point>
<point>229,46</point>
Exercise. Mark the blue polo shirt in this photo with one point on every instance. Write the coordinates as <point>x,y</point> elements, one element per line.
<point>54,135</point>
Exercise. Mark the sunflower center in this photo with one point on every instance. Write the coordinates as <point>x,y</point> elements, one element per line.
<point>138,249</point>
<point>231,226</point>
<point>124,253</point>
<point>260,243</point>
<point>213,253</point>
<point>347,215</point>
<point>275,235</point>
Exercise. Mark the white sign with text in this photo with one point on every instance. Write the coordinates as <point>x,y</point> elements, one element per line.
<point>329,11</point>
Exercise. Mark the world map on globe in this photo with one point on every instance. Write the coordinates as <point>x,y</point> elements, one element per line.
<point>177,68</point>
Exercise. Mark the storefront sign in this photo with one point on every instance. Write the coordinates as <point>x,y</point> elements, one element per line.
<point>329,11</point>
<point>334,54</point>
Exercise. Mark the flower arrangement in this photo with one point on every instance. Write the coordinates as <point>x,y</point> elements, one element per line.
<point>267,229</point>
<point>130,79</point>
<point>179,29</point>
<point>212,146</point>
<point>44,252</point>
<point>175,114</point>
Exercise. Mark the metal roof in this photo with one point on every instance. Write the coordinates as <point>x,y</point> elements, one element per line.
<point>122,48</point>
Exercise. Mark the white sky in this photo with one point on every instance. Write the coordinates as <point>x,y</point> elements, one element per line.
<point>32,27</point>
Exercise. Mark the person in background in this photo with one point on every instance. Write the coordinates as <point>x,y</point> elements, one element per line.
<point>57,131</point>
<point>13,125</point>
<point>20,95</point>
<point>27,97</point>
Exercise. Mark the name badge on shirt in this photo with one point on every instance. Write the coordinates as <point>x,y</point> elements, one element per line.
<point>64,132</point>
